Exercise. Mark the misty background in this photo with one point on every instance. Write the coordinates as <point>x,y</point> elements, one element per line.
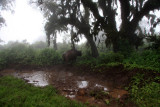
<point>27,23</point>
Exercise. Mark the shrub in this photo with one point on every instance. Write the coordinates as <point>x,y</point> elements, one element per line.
<point>125,47</point>
<point>103,60</point>
<point>3,59</point>
<point>110,57</point>
<point>147,59</point>
<point>25,55</point>
<point>144,92</point>
<point>47,57</point>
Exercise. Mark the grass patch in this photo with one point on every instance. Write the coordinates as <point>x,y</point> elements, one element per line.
<point>16,93</point>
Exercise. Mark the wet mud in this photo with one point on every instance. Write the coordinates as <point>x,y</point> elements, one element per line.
<point>77,84</point>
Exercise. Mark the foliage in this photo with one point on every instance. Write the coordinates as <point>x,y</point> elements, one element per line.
<point>63,47</point>
<point>154,40</point>
<point>110,57</point>
<point>47,57</point>
<point>19,54</point>
<point>39,45</point>
<point>79,14</point>
<point>104,60</point>
<point>16,93</point>
<point>147,59</point>
<point>125,47</point>
<point>22,54</point>
<point>5,5</point>
<point>3,61</point>
<point>144,92</point>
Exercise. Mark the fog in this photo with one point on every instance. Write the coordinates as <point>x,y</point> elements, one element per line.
<point>27,23</point>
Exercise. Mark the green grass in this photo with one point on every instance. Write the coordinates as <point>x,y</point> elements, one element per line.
<point>16,93</point>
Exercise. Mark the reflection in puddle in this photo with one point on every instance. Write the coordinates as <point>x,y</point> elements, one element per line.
<point>82,84</point>
<point>70,96</point>
<point>100,86</point>
<point>37,78</point>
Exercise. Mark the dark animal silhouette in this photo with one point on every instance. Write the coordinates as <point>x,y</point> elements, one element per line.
<point>71,55</point>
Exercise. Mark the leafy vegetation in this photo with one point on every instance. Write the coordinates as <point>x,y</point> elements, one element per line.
<point>103,59</point>
<point>145,85</point>
<point>82,17</point>
<point>47,57</point>
<point>145,91</point>
<point>144,88</point>
<point>22,54</point>
<point>16,93</point>
<point>148,59</point>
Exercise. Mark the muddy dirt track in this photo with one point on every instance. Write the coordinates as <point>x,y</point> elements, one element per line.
<point>80,84</point>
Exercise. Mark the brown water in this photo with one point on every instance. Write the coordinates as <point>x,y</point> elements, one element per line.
<point>70,84</point>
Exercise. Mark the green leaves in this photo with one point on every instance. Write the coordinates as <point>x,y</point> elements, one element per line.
<point>47,57</point>
<point>145,93</point>
<point>147,59</point>
<point>24,55</point>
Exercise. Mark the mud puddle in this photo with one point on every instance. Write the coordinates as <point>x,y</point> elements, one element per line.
<point>83,88</point>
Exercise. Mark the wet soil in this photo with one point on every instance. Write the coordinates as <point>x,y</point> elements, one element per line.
<point>79,83</point>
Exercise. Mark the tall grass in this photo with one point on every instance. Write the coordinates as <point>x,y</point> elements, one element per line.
<point>16,93</point>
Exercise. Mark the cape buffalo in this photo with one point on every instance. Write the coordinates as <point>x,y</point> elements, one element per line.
<point>71,55</point>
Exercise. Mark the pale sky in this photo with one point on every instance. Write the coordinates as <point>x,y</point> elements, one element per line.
<point>26,23</point>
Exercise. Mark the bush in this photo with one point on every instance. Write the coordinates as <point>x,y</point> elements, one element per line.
<point>146,59</point>
<point>3,59</point>
<point>87,61</point>
<point>110,57</point>
<point>24,55</point>
<point>144,92</point>
<point>47,57</point>
<point>103,60</point>
<point>125,47</point>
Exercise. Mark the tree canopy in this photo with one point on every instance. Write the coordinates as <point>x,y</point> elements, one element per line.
<point>88,17</point>
<point>5,5</point>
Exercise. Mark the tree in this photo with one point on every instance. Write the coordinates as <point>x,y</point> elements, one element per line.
<point>86,16</point>
<point>64,13</point>
<point>132,11</point>
<point>5,5</point>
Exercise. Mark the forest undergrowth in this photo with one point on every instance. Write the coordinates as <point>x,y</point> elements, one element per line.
<point>143,88</point>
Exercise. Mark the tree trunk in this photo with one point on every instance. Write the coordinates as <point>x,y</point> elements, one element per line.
<point>55,42</point>
<point>92,44</point>
<point>72,44</point>
<point>72,39</point>
<point>115,46</point>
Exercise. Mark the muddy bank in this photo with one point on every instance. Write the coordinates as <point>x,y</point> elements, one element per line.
<point>78,83</point>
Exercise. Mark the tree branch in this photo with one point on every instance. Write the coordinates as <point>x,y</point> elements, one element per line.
<point>125,11</point>
<point>102,5</point>
<point>148,6</point>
